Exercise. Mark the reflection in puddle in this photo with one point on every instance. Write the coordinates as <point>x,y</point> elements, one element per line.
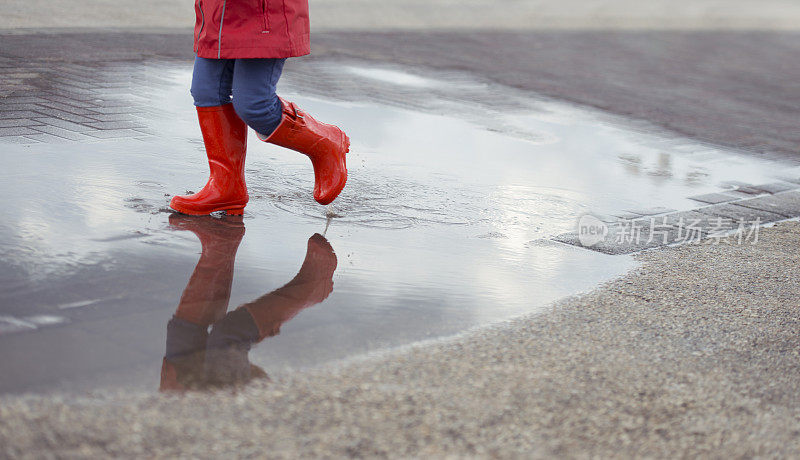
<point>439,230</point>
<point>393,76</point>
<point>10,324</point>
<point>198,359</point>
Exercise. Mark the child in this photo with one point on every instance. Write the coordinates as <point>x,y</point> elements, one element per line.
<point>241,47</point>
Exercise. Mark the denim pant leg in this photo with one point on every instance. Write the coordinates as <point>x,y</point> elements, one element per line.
<point>212,81</point>
<point>254,93</point>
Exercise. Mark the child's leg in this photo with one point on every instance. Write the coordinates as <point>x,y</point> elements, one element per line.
<point>254,98</point>
<point>283,123</point>
<point>212,82</point>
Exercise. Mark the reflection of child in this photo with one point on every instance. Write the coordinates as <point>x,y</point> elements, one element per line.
<point>197,359</point>
<point>241,47</point>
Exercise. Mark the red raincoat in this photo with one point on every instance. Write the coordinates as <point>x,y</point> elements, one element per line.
<point>233,29</point>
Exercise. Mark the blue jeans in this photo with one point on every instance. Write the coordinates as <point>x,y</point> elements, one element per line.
<point>248,83</point>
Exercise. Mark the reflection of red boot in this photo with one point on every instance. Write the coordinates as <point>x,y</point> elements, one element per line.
<point>225,138</point>
<point>325,144</point>
<point>204,301</point>
<point>312,284</point>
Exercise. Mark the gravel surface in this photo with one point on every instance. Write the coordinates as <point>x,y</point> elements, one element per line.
<point>695,353</point>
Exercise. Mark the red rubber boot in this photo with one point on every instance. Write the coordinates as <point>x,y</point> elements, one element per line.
<point>225,137</point>
<point>204,301</point>
<point>312,284</point>
<point>325,144</point>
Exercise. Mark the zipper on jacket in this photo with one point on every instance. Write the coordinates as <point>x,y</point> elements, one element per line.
<point>265,16</point>
<point>221,21</point>
<point>202,20</point>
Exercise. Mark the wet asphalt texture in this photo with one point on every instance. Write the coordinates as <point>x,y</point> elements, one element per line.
<point>693,354</point>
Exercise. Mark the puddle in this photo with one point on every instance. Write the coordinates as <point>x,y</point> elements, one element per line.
<point>439,230</point>
<point>393,77</point>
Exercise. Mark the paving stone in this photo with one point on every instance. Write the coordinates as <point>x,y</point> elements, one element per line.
<point>741,213</point>
<point>607,218</point>
<point>12,122</point>
<point>111,92</point>
<point>79,70</point>
<point>117,102</point>
<point>690,226</point>
<point>733,184</point>
<point>121,109</point>
<point>15,89</point>
<point>740,194</point>
<point>114,133</point>
<point>50,98</point>
<point>76,89</point>
<point>48,138</point>
<point>691,220</point>
<point>55,113</point>
<point>776,187</point>
<point>626,215</point>
<point>81,110</point>
<point>749,190</point>
<point>60,132</point>
<point>650,211</point>
<point>14,107</point>
<point>20,100</point>
<point>86,97</point>
<point>16,131</point>
<point>16,140</point>
<point>571,239</point>
<point>19,114</point>
<point>786,204</point>
<point>657,232</point>
<point>116,125</point>
<point>713,198</point>
<point>73,82</point>
<point>127,83</point>
<point>65,124</point>
<point>152,132</point>
<point>111,117</point>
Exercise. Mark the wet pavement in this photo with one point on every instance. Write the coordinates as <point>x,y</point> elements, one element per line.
<point>458,190</point>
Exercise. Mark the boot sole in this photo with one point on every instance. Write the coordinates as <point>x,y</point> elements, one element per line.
<point>229,210</point>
